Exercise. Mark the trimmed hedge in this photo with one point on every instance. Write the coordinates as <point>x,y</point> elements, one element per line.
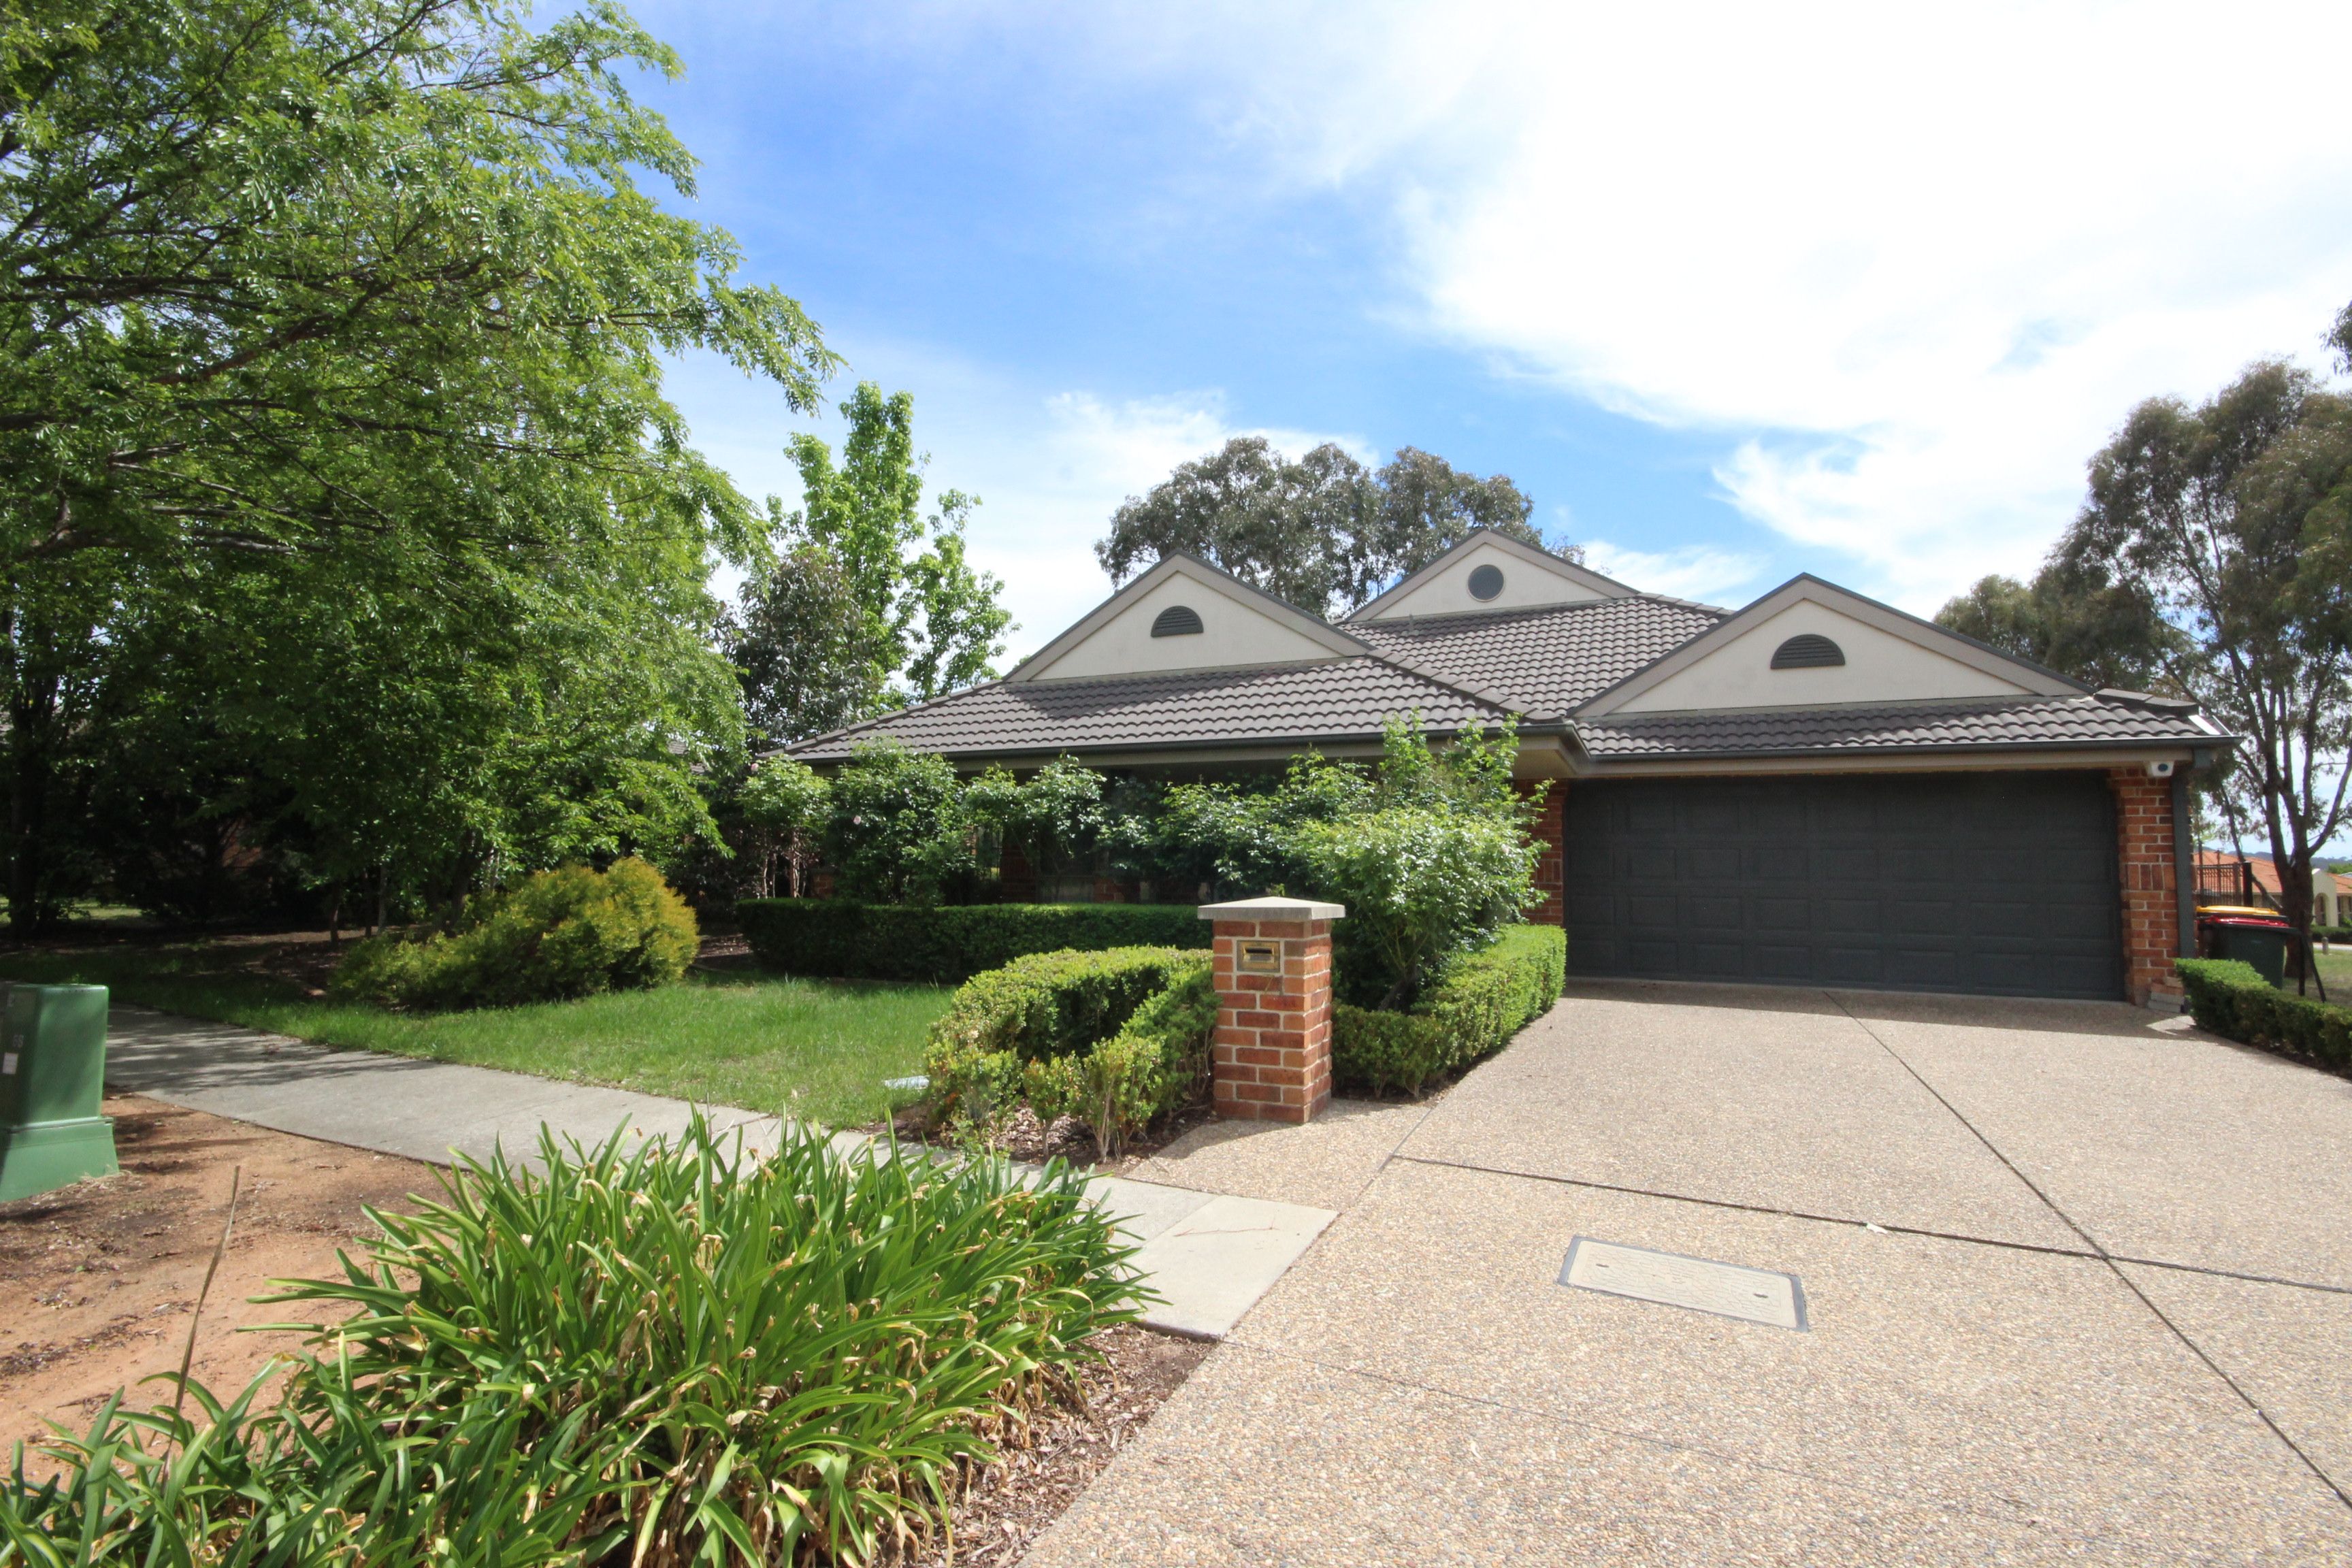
<point>839,939</point>
<point>1113,1039</point>
<point>1483,999</point>
<point>2232,999</point>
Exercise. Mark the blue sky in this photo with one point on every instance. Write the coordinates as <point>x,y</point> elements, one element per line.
<point>1731,294</point>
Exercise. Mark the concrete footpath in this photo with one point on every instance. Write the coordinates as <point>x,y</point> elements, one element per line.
<point>1210,1256</point>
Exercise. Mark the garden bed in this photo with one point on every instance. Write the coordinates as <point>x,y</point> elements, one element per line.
<point>105,1273</point>
<point>1006,1506</point>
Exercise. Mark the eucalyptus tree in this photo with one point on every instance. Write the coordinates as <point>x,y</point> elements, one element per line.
<point>2233,521</point>
<point>1321,531</point>
<point>337,327</point>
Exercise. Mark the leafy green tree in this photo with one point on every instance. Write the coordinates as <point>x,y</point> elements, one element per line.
<point>960,620</point>
<point>1322,532</point>
<point>1056,817</point>
<point>855,618</point>
<point>788,806</point>
<point>2072,619</point>
<point>801,647</point>
<point>336,328</point>
<point>2228,517</point>
<point>897,833</point>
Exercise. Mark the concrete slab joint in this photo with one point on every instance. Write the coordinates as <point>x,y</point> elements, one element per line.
<point>1270,1057</point>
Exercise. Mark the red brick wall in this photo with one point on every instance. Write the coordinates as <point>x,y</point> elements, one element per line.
<point>2151,898</point>
<point>1551,861</point>
<point>1270,1058</point>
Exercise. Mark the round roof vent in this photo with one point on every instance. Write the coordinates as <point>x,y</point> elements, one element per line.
<point>1810,650</point>
<point>1177,621</point>
<point>1486,583</point>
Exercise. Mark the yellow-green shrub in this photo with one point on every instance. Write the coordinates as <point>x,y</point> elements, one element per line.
<point>561,934</point>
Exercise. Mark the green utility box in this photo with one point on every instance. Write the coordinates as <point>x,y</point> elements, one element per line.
<point>52,1072</point>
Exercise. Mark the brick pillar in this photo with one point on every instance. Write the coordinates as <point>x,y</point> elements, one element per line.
<point>1270,1058</point>
<point>1552,856</point>
<point>2151,902</point>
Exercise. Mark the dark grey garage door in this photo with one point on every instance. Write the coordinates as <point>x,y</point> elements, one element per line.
<point>2002,883</point>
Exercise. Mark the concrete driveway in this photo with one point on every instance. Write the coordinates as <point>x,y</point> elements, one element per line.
<point>2078,1284</point>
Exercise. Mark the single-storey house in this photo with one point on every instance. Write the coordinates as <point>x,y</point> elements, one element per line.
<point>1813,789</point>
<point>2225,877</point>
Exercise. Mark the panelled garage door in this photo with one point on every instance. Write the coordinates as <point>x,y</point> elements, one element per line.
<point>2001,883</point>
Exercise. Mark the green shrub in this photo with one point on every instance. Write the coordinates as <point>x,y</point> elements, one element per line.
<point>561,935</point>
<point>2233,1000</point>
<point>896,833</point>
<point>1115,1038</point>
<point>673,1354</point>
<point>1481,999</point>
<point>836,939</point>
<point>1420,888</point>
<point>1428,849</point>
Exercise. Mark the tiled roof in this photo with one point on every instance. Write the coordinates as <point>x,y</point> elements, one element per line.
<point>1546,661</point>
<point>1341,699</point>
<point>1909,726</point>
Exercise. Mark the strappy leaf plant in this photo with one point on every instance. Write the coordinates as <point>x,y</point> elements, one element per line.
<point>660,1352</point>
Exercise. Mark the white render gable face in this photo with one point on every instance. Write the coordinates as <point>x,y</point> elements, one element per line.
<point>1489,572</point>
<point>1182,615</point>
<point>1809,645</point>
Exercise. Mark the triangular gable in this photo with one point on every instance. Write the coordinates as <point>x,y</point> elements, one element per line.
<point>1529,578</point>
<point>1835,648</point>
<point>1239,627</point>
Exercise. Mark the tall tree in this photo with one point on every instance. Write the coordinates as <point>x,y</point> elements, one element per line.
<point>2226,517</point>
<point>345,319</point>
<point>1321,531</point>
<point>2074,620</point>
<point>799,644</point>
<point>854,617</point>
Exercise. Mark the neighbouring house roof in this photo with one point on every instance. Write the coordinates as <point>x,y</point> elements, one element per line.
<point>2223,863</point>
<point>1598,681</point>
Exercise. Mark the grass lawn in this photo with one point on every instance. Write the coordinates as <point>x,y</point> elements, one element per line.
<point>819,1049</point>
<point>2336,969</point>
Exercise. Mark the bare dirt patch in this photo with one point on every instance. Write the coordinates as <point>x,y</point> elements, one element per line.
<point>1008,1504</point>
<point>107,1272</point>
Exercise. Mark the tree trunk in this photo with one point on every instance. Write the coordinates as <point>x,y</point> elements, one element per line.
<point>32,778</point>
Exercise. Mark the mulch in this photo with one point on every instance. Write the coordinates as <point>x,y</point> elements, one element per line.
<point>1007,1505</point>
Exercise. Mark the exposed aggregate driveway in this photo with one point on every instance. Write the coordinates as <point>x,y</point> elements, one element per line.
<point>2078,1285</point>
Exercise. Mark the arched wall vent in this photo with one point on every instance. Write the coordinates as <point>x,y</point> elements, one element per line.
<point>1486,583</point>
<point>1184,621</point>
<point>1808,650</point>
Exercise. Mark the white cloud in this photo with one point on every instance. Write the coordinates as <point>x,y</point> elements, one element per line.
<point>1699,572</point>
<point>1916,263</point>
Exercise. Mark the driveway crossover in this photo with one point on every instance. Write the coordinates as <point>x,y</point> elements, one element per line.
<point>2079,1287</point>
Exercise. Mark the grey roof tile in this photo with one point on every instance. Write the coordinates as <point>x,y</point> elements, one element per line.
<point>1547,661</point>
<point>1907,726</point>
<point>1342,698</point>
